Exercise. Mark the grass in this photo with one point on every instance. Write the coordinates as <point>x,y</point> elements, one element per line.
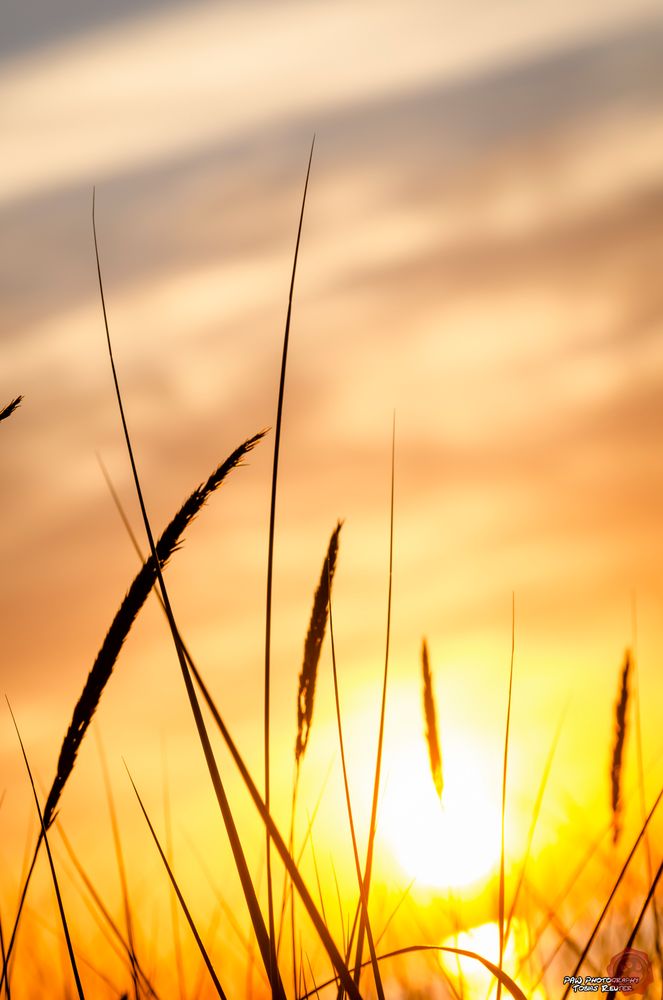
<point>430,717</point>
<point>10,408</point>
<point>325,954</point>
<point>617,763</point>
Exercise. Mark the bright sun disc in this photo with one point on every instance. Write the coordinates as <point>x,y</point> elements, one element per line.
<point>449,844</point>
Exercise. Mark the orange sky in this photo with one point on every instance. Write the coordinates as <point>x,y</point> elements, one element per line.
<point>480,253</point>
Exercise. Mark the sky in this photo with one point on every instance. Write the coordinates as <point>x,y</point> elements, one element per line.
<point>479,256</point>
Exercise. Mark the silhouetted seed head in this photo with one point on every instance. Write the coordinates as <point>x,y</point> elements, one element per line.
<point>136,596</point>
<point>616,768</point>
<point>312,647</point>
<point>430,718</point>
<point>10,407</point>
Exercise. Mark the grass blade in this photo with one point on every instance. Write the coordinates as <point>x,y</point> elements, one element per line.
<point>264,941</point>
<point>4,959</point>
<point>648,900</point>
<point>340,964</point>
<point>103,910</point>
<point>378,762</point>
<point>270,564</point>
<point>506,981</point>
<point>65,927</point>
<point>538,802</point>
<point>180,897</point>
<point>618,882</point>
<point>119,857</point>
<point>286,858</point>
<point>503,810</point>
<point>177,943</point>
<point>403,896</point>
<point>363,893</point>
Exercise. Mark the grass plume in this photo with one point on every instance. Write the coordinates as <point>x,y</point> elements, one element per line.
<point>430,718</point>
<point>313,645</point>
<point>135,598</point>
<point>106,658</point>
<point>286,858</point>
<point>306,699</point>
<point>617,762</point>
<point>10,408</point>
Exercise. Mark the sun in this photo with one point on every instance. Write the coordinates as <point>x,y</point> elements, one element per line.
<point>452,843</point>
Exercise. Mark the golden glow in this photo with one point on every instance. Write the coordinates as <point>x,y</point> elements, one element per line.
<point>447,844</point>
<point>479,253</point>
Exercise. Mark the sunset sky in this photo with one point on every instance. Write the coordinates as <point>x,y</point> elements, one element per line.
<point>481,254</point>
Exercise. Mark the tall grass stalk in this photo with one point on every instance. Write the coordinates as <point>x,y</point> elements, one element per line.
<point>538,802</point>
<point>641,778</point>
<point>368,870</point>
<point>561,897</point>
<point>119,857</point>
<point>223,905</point>
<point>106,658</point>
<point>302,848</point>
<point>293,870</point>
<point>121,952</point>
<point>212,931</point>
<point>613,892</point>
<point>530,838</point>
<point>648,899</point>
<point>264,942</point>
<point>363,895</point>
<point>56,886</point>
<point>414,949</point>
<point>174,914</point>
<point>503,809</point>
<point>121,948</point>
<point>3,954</point>
<point>292,866</point>
<point>180,897</point>
<point>270,567</point>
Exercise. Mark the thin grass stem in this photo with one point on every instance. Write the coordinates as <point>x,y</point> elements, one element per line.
<point>270,567</point>
<point>368,870</point>
<point>180,897</point>
<point>264,942</point>
<point>63,918</point>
